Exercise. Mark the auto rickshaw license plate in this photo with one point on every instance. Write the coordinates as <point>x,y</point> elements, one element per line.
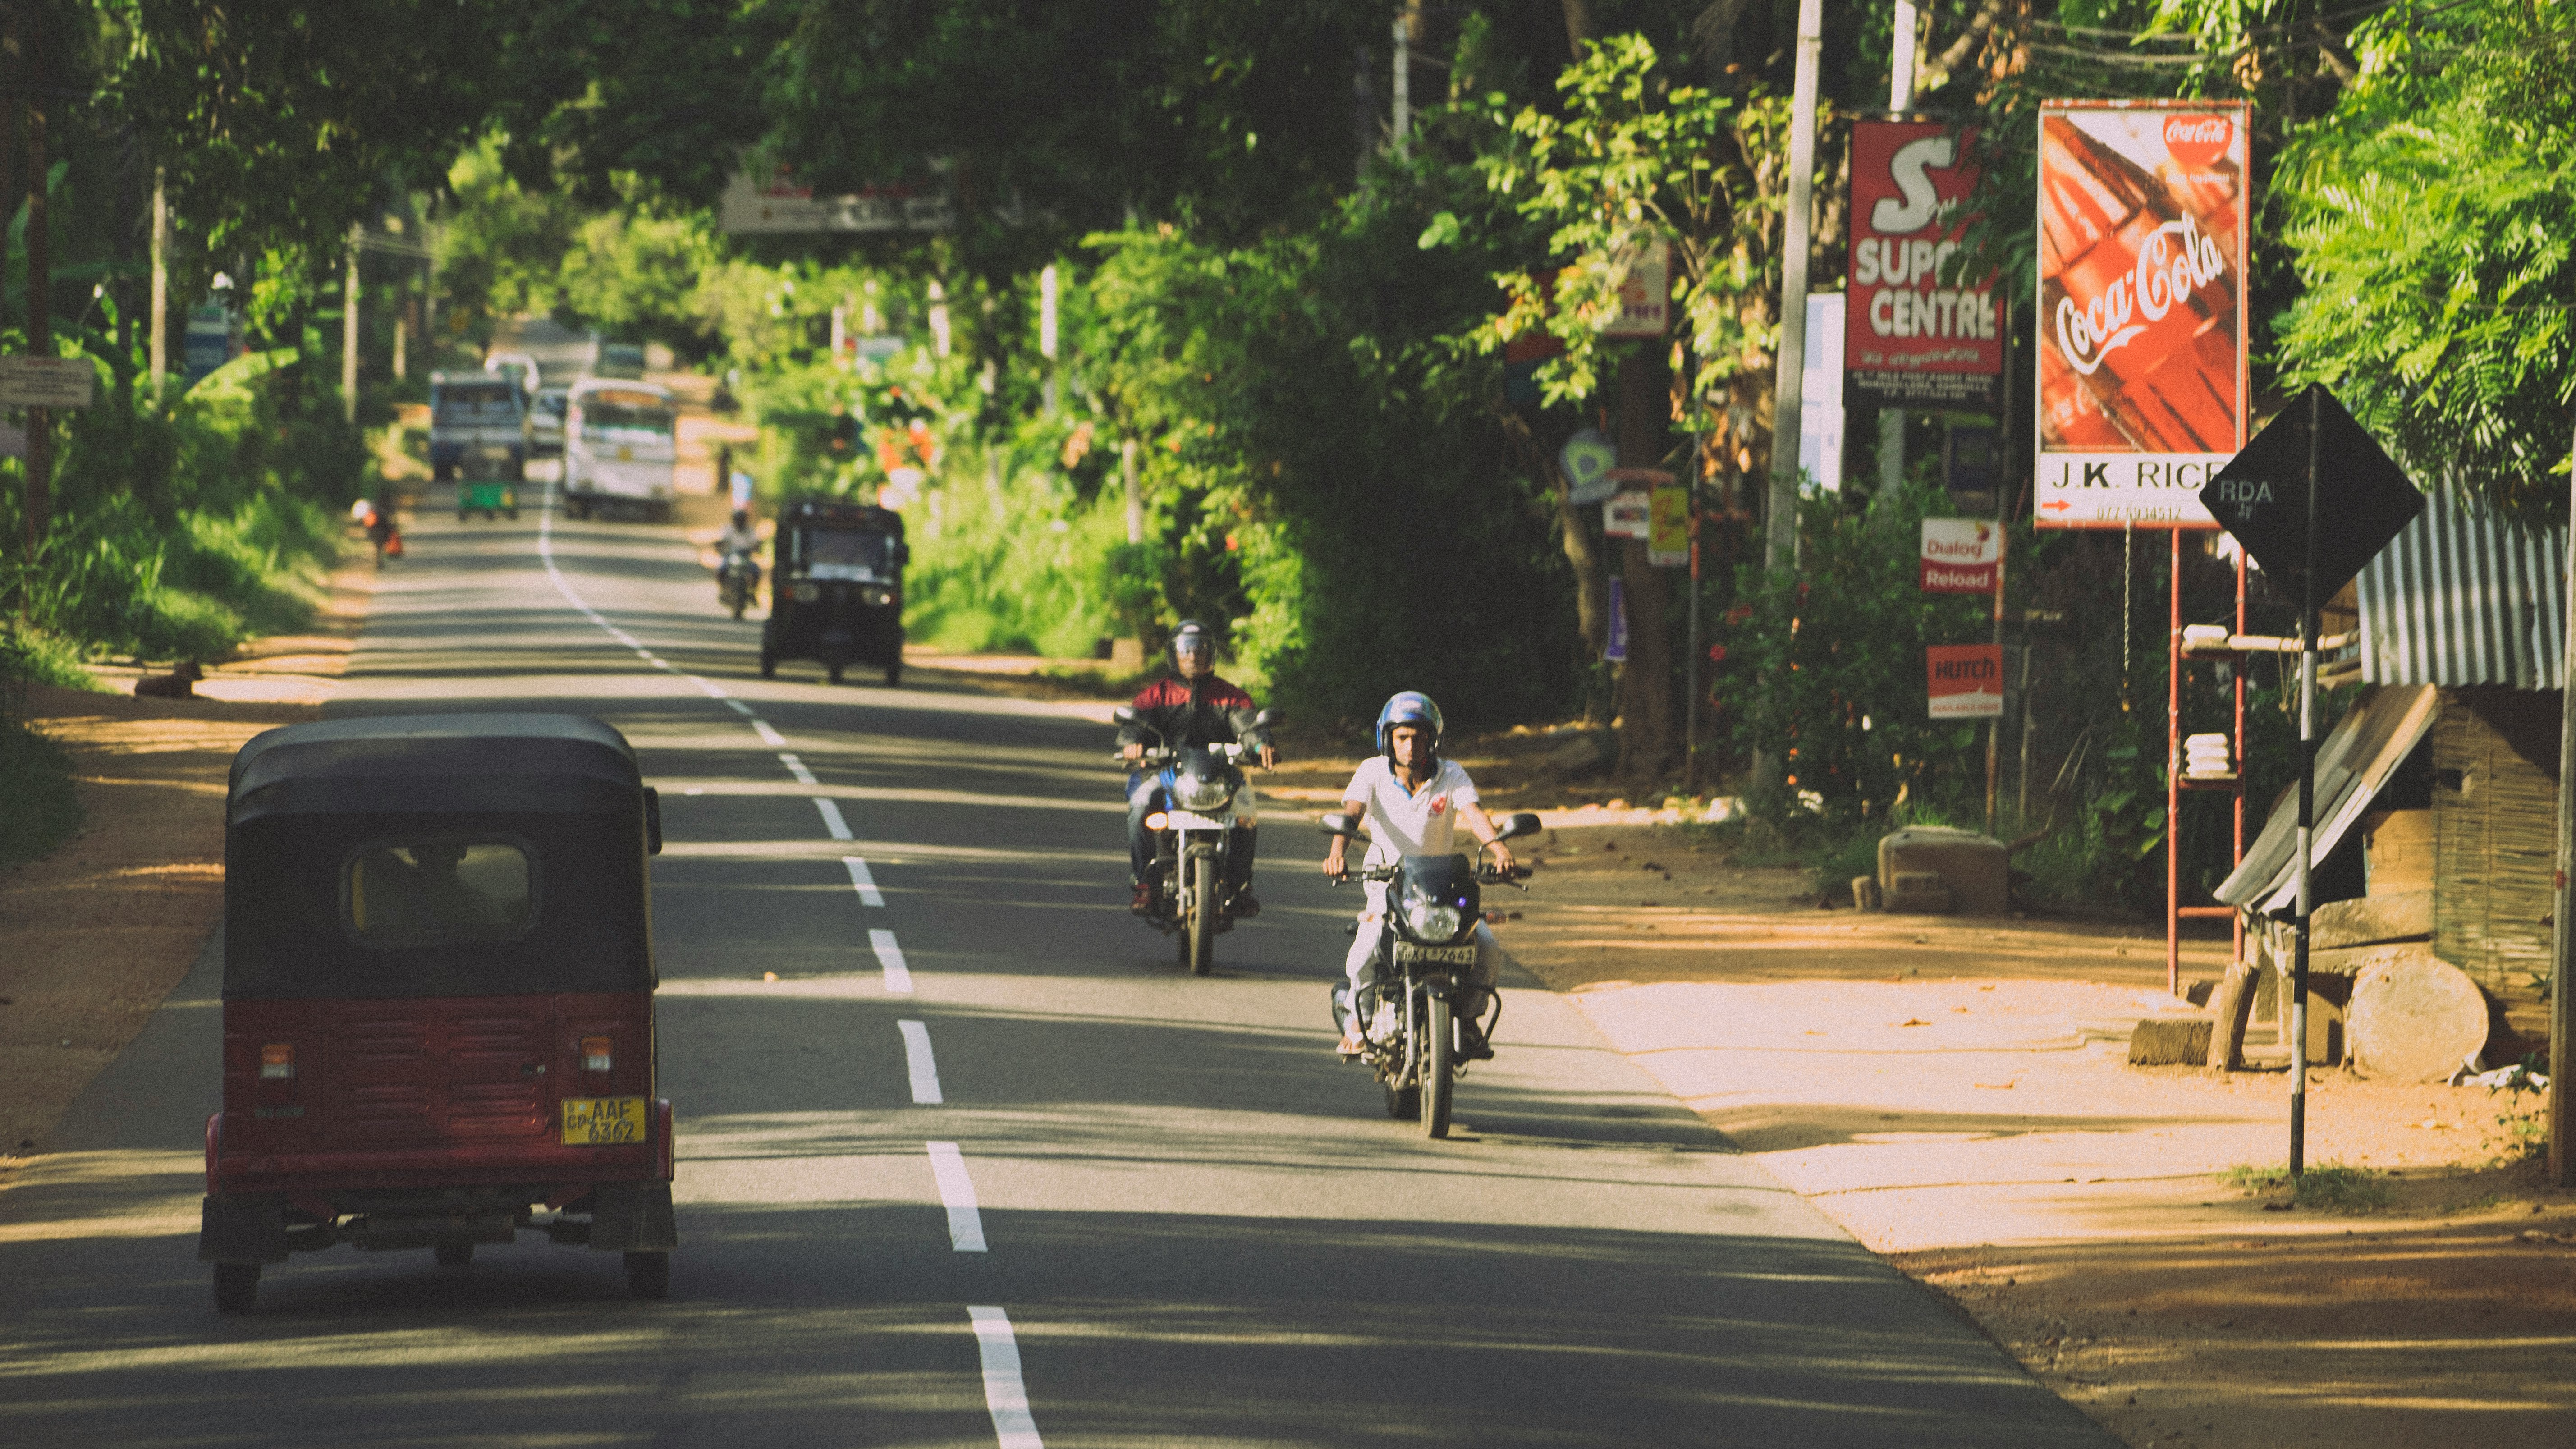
<point>602,1121</point>
<point>1434,955</point>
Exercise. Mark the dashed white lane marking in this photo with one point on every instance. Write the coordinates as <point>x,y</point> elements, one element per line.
<point>768,736</point>
<point>865,883</point>
<point>832,820</point>
<point>919,1063</point>
<point>898,977</point>
<point>713,691</point>
<point>1005,1392</point>
<point>737,706</point>
<point>797,768</point>
<point>957,1194</point>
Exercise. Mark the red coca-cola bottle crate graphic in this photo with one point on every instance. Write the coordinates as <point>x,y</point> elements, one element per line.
<point>2141,262</point>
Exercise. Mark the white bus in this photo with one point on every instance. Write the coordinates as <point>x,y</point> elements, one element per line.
<point>620,443</point>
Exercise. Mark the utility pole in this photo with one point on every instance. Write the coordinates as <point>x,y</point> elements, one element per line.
<point>1403,78</point>
<point>1900,99</point>
<point>1047,328</point>
<point>40,275</point>
<point>160,279</point>
<point>1135,492</point>
<point>1780,527</point>
<point>2563,933</point>
<point>349,325</point>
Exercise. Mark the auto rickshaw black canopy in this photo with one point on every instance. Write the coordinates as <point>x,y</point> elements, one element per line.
<point>562,789</point>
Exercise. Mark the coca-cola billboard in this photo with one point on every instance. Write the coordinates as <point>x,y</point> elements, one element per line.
<point>2142,382</point>
<point>1911,336</point>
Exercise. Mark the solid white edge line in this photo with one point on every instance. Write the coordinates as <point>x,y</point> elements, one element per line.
<point>832,820</point>
<point>957,1194</point>
<point>797,768</point>
<point>1006,1392</point>
<point>768,736</point>
<point>919,1064</point>
<point>898,976</point>
<point>863,881</point>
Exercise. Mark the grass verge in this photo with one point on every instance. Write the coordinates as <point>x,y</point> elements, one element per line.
<point>36,780</point>
<point>2327,1186</point>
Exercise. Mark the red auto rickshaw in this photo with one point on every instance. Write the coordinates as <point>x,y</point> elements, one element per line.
<point>438,997</point>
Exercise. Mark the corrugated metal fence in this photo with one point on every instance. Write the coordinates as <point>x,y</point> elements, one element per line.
<point>2465,597</point>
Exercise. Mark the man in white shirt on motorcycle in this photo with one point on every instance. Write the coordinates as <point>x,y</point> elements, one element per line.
<point>1412,801</point>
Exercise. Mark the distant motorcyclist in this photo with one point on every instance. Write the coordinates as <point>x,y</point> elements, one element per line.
<point>739,537</point>
<point>738,568</point>
<point>1413,802</point>
<point>1190,708</point>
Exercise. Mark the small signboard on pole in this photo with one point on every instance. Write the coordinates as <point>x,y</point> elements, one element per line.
<point>46,382</point>
<point>1629,515</point>
<point>1646,296</point>
<point>1960,555</point>
<point>1587,459</point>
<point>1668,525</point>
<point>1967,680</point>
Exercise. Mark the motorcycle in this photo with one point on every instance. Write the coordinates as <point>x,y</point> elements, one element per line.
<point>737,582</point>
<point>1206,797</point>
<point>1425,1018</point>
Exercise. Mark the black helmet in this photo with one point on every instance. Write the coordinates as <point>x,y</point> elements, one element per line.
<point>1412,707</point>
<point>741,518</point>
<point>1191,638</point>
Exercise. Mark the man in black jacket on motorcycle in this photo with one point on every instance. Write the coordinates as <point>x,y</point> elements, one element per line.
<point>1189,709</point>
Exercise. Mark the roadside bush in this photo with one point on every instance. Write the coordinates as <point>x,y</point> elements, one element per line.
<point>35,775</point>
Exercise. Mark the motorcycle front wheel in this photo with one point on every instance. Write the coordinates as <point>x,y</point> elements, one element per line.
<point>1439,1042</point>
<point>1200,925</point>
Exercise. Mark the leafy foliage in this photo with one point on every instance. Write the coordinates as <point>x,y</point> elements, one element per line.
<point>2431,215</point>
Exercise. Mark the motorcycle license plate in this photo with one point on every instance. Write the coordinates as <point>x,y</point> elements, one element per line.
<point>602,1121</point>
<point>1184,820</point>
<point>1406,951</point>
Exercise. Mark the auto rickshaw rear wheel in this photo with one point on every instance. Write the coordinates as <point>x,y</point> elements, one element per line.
<point>768,665</point>
<point>835,671</point>
<point>648,1275</point>
<point>454,1255</point>
<point>236,1287</point>
<point>894,674</point>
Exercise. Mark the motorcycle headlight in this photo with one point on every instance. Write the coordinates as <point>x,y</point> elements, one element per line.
<point>1430,920</point>
<point>1201,793</point>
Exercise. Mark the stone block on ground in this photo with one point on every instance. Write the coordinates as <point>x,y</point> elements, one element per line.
<point>1865,893</point>
<point>2415,1017</point>
<point>1916,893</point>
<point>2371,921</point>
<point>1582,755</point>
<point>1972,868</point>
<point>2170,1041</point>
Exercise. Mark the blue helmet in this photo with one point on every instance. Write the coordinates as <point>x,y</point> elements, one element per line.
<point>1412,707</point>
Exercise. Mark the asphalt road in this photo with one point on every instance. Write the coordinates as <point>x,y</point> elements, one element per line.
<point>981,1166</point>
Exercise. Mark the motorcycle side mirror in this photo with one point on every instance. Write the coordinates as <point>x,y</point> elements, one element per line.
<point>652,821</point>
<point>1123,714</point>
<point>1339,824</point>
<point>1266,718</point>
<point>1518,826</point>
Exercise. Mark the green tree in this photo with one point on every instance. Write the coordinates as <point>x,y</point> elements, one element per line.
<point>2432,215</point>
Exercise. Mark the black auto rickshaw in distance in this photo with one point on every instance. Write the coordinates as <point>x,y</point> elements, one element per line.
<point>836,588</point>
<point>438,997</point>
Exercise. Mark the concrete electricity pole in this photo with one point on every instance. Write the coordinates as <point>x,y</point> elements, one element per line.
<point>160,279</point>
<point>1900,99</point>
<point>349,326</point>
<point>1780,525</point>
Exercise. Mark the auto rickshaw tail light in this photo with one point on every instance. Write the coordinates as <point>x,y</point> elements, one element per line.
<point>596,1055</point>
<point>277,1060</point>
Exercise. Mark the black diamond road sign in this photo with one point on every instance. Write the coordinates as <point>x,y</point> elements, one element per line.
<point>2363,498</point>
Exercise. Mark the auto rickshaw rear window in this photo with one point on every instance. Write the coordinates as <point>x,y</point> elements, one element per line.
<point>437,892</point>
<point>842,548</point>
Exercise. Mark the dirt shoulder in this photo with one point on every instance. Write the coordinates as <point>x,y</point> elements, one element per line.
<point>1957,1094</point>
<point>93,936</point>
